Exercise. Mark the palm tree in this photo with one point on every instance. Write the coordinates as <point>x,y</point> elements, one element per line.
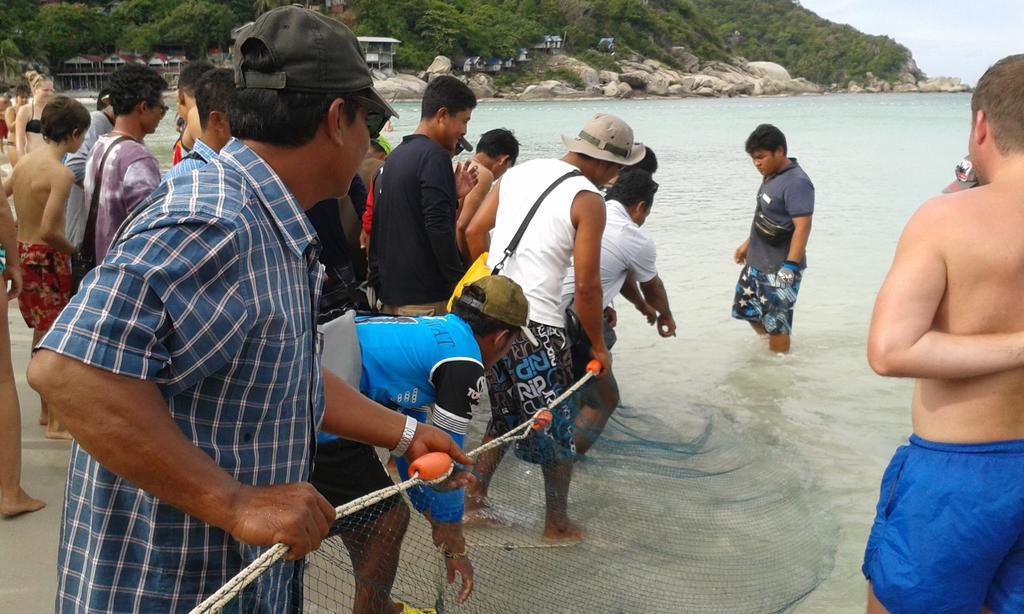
<point>11,59</point>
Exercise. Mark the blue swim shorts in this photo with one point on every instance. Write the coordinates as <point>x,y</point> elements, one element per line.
<point>526,381</point>
<point>949,529</point>
<point>760,298</point>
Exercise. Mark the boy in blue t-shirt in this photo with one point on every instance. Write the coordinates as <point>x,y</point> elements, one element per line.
<point>429,368</point>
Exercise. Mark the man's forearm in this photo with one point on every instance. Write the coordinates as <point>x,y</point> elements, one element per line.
<point>125,425</point>
<point>450,534</point>
<point>801,234</point>
<point>589,309</point>
<point>8,231</point>
<point>938,355</point>
<point>631,292</point>
<point>655,296</point>
<point>477,242</point>
<point>353,416</point>
<point>446,252</point>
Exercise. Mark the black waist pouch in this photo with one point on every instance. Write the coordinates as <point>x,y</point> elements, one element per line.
<point>770,232</point>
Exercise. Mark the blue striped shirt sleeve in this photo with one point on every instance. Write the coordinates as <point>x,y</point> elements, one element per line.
<point>167,304</point>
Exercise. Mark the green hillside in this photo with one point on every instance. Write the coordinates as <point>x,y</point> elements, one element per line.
<point>499,27</point>
<point>782,31</point>
<point>776,30</point>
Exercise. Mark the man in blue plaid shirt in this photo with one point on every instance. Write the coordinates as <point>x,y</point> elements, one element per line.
<point>188,365</point>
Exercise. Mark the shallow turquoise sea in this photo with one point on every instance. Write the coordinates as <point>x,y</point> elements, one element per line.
<point>873,160</point>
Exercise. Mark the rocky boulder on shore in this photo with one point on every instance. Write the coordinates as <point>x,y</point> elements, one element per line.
<point>482,86</point>
<point>769,70</point>
<point>401,87</point>
<point>949,85</point>
<point>647,77</point>
<point>546,90</point>
<point>587,75</point>
<point>440,66</point>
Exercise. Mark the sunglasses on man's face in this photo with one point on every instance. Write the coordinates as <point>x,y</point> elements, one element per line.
<point>161,105</point>
<point>375,122</point>
<point>375,119</point>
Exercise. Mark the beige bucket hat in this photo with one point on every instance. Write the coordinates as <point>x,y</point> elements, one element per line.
<point>606,137</point>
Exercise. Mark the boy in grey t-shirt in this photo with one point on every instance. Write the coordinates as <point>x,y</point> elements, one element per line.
<point>774,255</point>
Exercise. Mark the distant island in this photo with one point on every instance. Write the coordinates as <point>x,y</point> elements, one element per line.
<point>523,49</point>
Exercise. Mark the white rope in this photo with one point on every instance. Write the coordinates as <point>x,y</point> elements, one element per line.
<point>234,586</point>
<point>231,589</point>
<point>521,431</point>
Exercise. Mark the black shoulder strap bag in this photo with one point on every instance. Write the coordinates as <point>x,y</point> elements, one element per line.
<point>514,243</point>
<point>84,260</point>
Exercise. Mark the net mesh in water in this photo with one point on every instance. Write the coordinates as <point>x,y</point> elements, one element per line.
<point>687,517</point>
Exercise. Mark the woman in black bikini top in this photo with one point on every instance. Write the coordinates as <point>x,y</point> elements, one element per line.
<point>29,116</point>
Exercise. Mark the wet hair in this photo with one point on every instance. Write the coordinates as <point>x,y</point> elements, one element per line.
<point>35,79</point>
<point>132,84</point>
<point>22,90</point>
<point>998,94</point>
<point>63,117</point>
<point>446,92</point>
<point>649,162</point>
<point>188,80</point>
<point>214,92</point>
<point>633,186</point>
<point>499,142</point>
<point>766,137</point>
<point>481,325</point>
<point>281,117</point>
<point>103,93</point>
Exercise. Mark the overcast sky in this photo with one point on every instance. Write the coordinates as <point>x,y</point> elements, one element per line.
<point>955,38</point>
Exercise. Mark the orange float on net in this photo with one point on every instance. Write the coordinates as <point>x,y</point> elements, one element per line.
<point>594,366</point>
<point>432,466</point>
<point>542,420</point>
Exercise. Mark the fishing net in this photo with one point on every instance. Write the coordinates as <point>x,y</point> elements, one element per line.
<point>688,516</point>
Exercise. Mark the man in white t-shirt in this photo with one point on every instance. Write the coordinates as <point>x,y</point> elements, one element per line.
<point>566,227</point>
<point>627,257</point>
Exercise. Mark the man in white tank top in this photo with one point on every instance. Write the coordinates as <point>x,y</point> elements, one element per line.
<point>566,227</point>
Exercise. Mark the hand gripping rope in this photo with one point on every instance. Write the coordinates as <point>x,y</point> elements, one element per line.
<point>432,468</point>
<point>540,420</point>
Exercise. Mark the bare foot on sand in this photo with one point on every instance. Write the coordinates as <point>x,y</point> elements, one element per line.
<point>565,532</point>
<point>20,504</point>
<point>478,511</point>
<point>61,435</point>
<point>55,429</point>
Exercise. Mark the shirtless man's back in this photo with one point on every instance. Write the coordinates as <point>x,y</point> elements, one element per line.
<point>40,185</point>
<point>949,529</point>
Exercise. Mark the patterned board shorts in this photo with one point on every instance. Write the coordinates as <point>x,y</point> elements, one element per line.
<point>760,298</point>
<point>46,288</point>
<point>527,380</point>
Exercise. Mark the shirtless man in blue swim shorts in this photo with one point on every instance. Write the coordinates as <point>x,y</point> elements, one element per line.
<point>948,535</point>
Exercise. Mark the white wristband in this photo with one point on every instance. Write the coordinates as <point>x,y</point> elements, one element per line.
<point>407,435</point>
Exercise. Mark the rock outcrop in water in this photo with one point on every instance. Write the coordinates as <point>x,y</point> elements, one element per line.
<point>640,77</point>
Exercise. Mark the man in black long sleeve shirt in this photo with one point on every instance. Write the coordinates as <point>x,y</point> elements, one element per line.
<point>414,258</point>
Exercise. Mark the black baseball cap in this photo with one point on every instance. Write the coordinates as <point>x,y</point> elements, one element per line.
<point>314,54</point>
